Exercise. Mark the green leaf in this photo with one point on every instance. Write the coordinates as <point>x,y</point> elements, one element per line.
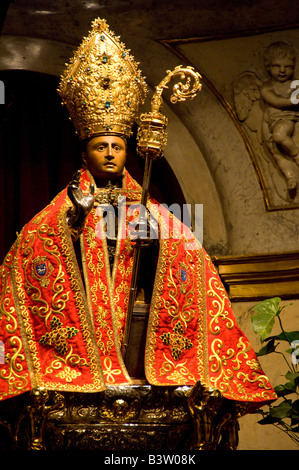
<point>296,405</point>
<point>268,306</point>
<point>281,391</point>
<point>262,324</point>
<point>268,420</point>
<point>263,321</point>
<point>289,336</point>
<point>292,376</point>
<point>288,387</point>
<point>267,349</point>
<point>291,386</point>
<point>283,410</point>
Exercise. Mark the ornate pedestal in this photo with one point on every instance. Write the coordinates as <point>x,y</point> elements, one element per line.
<point>122,418</point>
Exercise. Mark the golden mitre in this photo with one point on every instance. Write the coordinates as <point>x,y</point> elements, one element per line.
<point>102,86</point>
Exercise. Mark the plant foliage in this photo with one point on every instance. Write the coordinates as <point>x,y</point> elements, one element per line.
<point>285,415</point>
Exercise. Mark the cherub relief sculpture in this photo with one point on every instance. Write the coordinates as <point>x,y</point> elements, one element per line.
<point>270,113</point>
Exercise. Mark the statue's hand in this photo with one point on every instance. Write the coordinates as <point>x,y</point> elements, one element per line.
<point>82,205</point>
<point>145,232</point>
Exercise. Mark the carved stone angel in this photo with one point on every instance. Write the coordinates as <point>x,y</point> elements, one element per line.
<point>268,109</point>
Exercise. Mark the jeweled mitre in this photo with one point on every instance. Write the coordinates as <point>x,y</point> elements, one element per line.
<point>102,86</point>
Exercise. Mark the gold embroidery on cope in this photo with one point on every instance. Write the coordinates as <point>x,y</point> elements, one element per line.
<point>185,274</point>
<point>14,377</point>
<point>41,270</point>
<point>23,317</point>
<point>154,315</point>
<point>243,349</point>
<point>256,378</point>
<point>40,306</point>
<point>102,288</point>
<point>172,305</point>
<point>253,364</point>
<point>38,219</point>
<point>217,292</point>
<point>90,237</point>
<point>5,310</point>
<point>103,325</point>
<point>178,373</point>
<point>219,362</point>
<point>86,323</point>
<point>120,318</point>
<point>109,373</point>
<point>73,359</point>
<point>68,374</point>
<point>202,343</point>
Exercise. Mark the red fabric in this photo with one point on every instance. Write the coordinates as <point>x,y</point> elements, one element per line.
<point>69,336</point>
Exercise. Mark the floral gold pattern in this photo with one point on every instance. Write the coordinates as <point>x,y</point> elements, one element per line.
<point>68,374</point>
<point>109,372</point>
<point>176,373</point>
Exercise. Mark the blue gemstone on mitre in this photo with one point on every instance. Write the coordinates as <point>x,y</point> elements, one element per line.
<point>107,104</point>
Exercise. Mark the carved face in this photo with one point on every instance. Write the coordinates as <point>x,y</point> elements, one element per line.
<point>105,157</point>
<point>281,69</point>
